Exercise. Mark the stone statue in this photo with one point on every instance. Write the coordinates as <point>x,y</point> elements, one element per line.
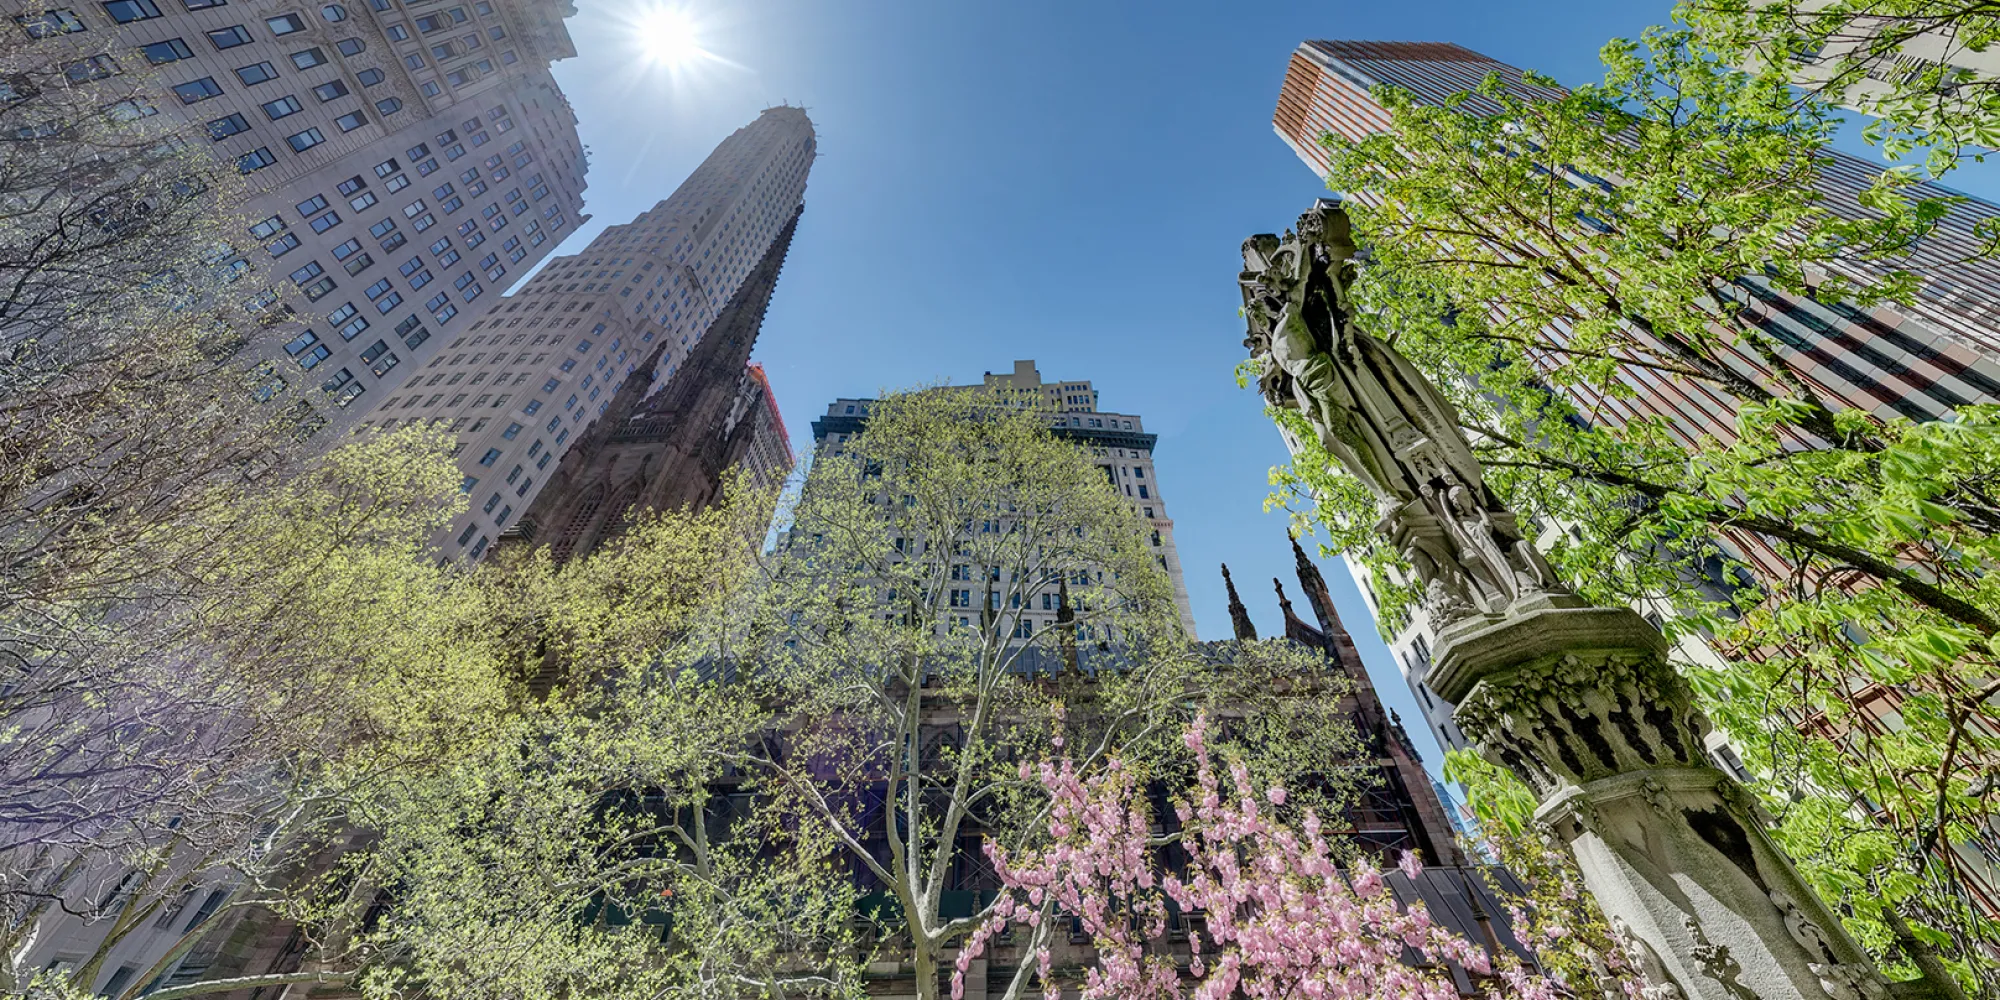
<point>1381,419</point>
<point>1580,702</point>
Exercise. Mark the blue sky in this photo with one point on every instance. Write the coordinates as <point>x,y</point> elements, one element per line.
<point>1063,181</point>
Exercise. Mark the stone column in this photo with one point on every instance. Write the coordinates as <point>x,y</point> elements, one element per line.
<point>1579,701</point>
<point>1583,705</point>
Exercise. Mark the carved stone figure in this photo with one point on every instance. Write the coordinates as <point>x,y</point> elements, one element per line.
<point>1659,983</point>
<point>1582,703</point>
<point>1380,418</point>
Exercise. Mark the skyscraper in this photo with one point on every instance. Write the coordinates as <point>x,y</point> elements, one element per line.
<point>1119,442</point>
<point>624,321</point>
<point>428,140</point>
<point>1919,362</point>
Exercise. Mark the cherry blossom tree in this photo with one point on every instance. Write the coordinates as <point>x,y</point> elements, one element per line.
<point>1282,918</point>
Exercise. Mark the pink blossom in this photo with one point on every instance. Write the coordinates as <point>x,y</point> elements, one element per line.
<point>1285,920</point>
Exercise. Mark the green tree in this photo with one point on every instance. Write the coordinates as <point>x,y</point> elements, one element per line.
<point>1856,53</point>
<point>194,617</point>
<point>1550,255</point>
<point>954,578</point>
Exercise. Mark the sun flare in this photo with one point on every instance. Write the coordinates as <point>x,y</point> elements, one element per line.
<point>670,37</point>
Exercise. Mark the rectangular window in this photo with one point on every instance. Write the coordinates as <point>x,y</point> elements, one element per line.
<point>302,141</point>
<point>255,160</point>
<point>309,58</point>
<point>361,201</point>
<point>283,107</point>
<point>387,167</point>
<point>223,128</point>
<point>327,221</point>
<point>171,50</point>
<point>351,121</point>
<point>257,73</point>
<point>128,11</point>
<point>285,24</point>
<point>196,91</point>
<point>230,37</point>
<point>511,431</point>
<point>283,245</point>
<point>329,91</point>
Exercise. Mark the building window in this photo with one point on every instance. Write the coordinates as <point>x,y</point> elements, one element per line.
<point>283,245</point>
<point>388,106</point>
<point>171,50</point>
<point>351,121</point>
<point>196,91</point>
<point>285,24</point>
<point>333,13</point>
<point>309,58</point>
<point>49,23</point>
<point>255,160</point>
<point>330,90</point>
<point>224,127</point>
<point>369,77</point>
<point>128,11</point>
<point>283,107</point>
<point>258,73</point>
<point>351,46</point>
<point>230,37</point>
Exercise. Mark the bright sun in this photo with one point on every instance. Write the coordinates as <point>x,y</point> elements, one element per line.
<point>669,37</point>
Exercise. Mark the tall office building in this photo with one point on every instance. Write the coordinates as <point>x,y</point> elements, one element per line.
<point>1119,442</point>
<point>403,159</point>
<point>669,450</point>
<point>1919,362</point>
<point>629,321</point>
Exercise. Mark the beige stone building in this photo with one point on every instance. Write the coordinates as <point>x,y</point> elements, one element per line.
<point>526,383</point>
<point>406,161</point>
<point>1118,440</point>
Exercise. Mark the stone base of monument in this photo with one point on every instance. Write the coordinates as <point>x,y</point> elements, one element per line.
<point>1582,702</point>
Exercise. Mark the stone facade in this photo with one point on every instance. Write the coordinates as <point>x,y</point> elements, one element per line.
<point>531,379</point>
<point>669,450</point>
<point>380,140</point>
<point>1119,442</point>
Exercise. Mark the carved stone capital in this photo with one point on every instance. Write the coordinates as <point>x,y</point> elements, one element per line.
<point>1574,717</point>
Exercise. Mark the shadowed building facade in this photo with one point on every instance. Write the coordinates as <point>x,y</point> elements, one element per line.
<point>1398,810</point>
<point>625,322</point>
<point>670,450</point>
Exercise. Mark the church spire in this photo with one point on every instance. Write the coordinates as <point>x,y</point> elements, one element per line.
<point>1239,616</point>
<point>1317,595</point>
<point>1285,604</point>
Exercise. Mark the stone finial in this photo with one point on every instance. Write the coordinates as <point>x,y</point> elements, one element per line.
<point>1239,616</point>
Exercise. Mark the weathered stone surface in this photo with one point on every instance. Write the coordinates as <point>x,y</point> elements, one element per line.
<point>1579,701</point>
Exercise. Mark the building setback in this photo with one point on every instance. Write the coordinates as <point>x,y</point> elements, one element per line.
<point>402,162</point>
<point>1118,441</point>
<point>633,309</point>
<point>1919,362</point>
<point>669,450</point>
